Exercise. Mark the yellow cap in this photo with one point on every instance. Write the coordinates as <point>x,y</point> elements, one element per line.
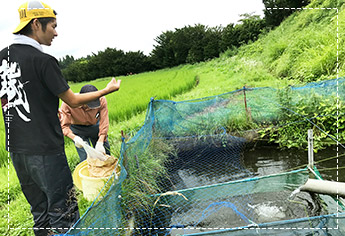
<point>31,10</point>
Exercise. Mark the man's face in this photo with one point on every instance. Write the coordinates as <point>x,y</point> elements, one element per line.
<point>48,35</point>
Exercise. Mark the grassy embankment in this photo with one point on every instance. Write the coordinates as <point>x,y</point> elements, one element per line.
<point>302,49</point>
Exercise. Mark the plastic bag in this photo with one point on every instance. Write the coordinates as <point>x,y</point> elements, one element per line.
<point>93,153</point>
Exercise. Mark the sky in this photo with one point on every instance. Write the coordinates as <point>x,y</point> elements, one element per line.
<point>86,27</point>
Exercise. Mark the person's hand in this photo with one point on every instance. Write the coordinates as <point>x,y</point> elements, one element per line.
<point>113,86</point>
<point>78,141</point>
<point>99,147</point>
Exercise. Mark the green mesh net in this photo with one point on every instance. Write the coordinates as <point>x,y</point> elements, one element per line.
<point>183,173</point>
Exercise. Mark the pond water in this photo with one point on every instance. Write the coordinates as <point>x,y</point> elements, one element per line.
<point>266,160</point>
<point>219,207</point>
<point>263,207</point>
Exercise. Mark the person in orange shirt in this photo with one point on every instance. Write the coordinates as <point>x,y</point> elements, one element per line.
<point>87,123</point>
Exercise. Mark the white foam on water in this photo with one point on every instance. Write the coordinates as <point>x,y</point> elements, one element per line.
<point>268,212</point>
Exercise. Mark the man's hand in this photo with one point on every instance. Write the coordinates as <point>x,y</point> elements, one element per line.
<point>113,86</point>
<point>78,141</point>
<point>99,147</point>
<point>76,100</point>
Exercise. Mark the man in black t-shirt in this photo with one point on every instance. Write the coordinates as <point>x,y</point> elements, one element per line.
<point>30,87</point>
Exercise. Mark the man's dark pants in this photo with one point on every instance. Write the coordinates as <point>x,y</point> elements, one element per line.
<point>47,184</point>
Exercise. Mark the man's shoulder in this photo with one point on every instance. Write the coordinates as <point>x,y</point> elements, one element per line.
<point>103,100</point>
<point>30,50</point>
<point>25,50</point>
<point>4,52</point>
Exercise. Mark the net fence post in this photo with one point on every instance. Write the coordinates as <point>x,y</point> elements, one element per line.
<point>310,149</point>
<point>248,114</point>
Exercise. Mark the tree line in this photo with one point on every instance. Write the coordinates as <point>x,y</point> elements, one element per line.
<point>190,44</point>
<point>110,62</point>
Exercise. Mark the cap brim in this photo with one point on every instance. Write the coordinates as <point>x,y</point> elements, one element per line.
<point>21,26</point>
<point>94,104</point>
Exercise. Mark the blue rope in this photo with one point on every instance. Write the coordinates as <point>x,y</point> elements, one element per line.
<point>205,214</point>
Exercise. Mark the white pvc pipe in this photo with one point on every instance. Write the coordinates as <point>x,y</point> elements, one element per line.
<point>324,187</point>
<point>310,149</point>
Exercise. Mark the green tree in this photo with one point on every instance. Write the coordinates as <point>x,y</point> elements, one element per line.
<point>189,44</point>
<point>274,16</point>
<point>249,30</point>
<point>110,62</point>
<point>136,62</point>
<point>162,54</point>
<point>76,71</point>
<point>211,42</point>
<point>196,41</point>
<point>228,38</point>
<point>66,61</point>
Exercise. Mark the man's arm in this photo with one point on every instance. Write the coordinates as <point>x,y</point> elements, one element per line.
<point>76,100</point>
<point>101,138</point>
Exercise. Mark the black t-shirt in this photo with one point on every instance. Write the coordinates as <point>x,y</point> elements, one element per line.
<point>30,83</point>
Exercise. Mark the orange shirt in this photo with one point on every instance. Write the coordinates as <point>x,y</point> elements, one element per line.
<point>84,116</point>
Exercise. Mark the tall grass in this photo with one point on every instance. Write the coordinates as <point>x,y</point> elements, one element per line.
<point>303,48</point>
<point>17,214</point>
